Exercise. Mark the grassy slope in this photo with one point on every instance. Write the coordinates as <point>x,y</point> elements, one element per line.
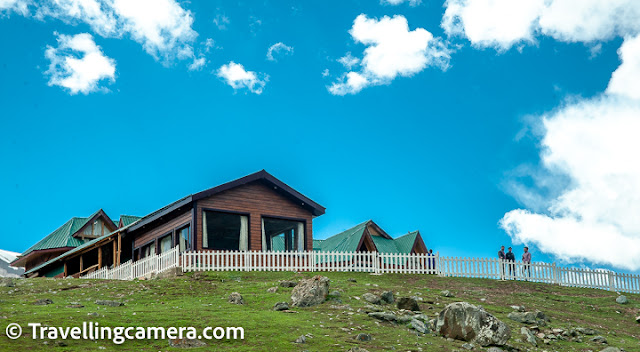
<point>186,301</point>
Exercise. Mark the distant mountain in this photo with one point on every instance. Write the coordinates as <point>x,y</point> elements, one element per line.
<point>6,270</point>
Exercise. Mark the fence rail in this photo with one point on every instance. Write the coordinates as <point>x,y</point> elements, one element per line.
<point>371,262</point>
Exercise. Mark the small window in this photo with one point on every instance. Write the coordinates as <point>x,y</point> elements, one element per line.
<point>147,250</point>
<point>184,238</point>
<point>225,231</point>
<point>165,244</point>
<point>282,235</point>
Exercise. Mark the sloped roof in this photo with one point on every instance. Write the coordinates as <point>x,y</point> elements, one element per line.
<point>345,241</point>
<point>384,245</point>
<point>128,219</point>
<point>404,244</point>
<point>61,237</point>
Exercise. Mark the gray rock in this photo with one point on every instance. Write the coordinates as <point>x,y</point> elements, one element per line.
<point>335,294</point>
<point>288,283</point>
<point>529,336</point>
<point>611,349</point>
<point>75,306</point>
<point>7,282</point>
<point>43,302</point>
<point>403,319</point>
<point>518,308</point>
<point>351,279</point>
<point>446,293</point>
<point>598,339</point>
<point>464,321</point>
<point>186,343</point>
<point>468,346</point>
<point>418,326</point>
<point>408,303</point>
<point>363,337</point>
<point>301,339</point>
<point>273,289</point>
<point>371,298</point>
<point>585,331</point>
<point>495,349</point>
<point>387,297</point>
<point>638,319</point>
<point>310,292</point>
<point>103,302</point>
<point>281,306</point>
<point>94,314</point>
<point>357,349</point>
<point>371,308</point>
<point>236,298</point>
<point>388,316</point>
<point>622,299</point>
<point>536,317</point>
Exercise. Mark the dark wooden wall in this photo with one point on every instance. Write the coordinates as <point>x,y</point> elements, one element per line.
<point>146,235</point>
<point>258,200</point>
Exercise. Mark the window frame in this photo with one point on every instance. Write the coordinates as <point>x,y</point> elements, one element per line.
<point>225,211</point>
<point>278,217</point>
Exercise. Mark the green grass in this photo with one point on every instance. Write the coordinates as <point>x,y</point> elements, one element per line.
<point>202,301</point>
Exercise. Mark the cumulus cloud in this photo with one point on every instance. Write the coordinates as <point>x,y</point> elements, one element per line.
<point>162,27</point>
<point>278,49</point>
<point>594,144</point>
<point>504,23</point>
<point>238,78</point>
<point>78,64</point>
<point>391,50</point>
<point>349,61</point>
<point>19,6</point>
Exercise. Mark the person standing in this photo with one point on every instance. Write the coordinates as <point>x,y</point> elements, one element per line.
<point>526,260</point>
<point>511,259</point>
<point>432,260</point>
<point>501,257</point>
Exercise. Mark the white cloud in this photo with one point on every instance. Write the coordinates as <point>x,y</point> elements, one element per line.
<point>162,27</point>
<point>504,23</point>
<point>19,6</point>
<point>594,143</point>
<point>626,79</point>
<point>392,50</point>
<point>221,21</point>
<point>398,2</point>
<point>349,61</point>
<point>325,72</point>
<point>78,64</point>
<point>237,77</point>
<point>197,64</point>
<point>278,49</point>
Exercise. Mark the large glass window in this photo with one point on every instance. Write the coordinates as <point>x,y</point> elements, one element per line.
<point>165,244</point>
<point>184,238</point>
<point>282,235</point>
<point>225,231</point>
<point>147,250</point>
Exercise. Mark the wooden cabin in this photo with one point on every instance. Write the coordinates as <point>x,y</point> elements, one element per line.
<point>254,212</point>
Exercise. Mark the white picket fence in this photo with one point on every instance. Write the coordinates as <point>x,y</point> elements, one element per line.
<point>146,267</point>
<point>371,262</point>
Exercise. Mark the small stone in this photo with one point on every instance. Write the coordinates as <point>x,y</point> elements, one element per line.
<point>109,303</point>
<point>388,316</point>
<point>446,293</point>
<point>495,349</point>
<point>418,326</point>
<point>94,314</point>
<point>272,289</point>
<point>236,298</point>
<point>301,339</point>
<point>75,306</point>
<point>611,349</point>
<point>43,302</point>
<point>186,343</point>
<point>622,299</point>
<point>598,339</point>
<point>638,319</point>
<point>586,331</point>
<point>468,346</point>
<point>363,337</point>
<point>7,282</point>
<point>280,306</point>
<point>288,283</point>
<point>335,294</point>
<point>529,336</point>
<point>518,308</point>
<point>408,304</point>
<point>351,280</point>
<point>357,349</point>
<point>371,298</point>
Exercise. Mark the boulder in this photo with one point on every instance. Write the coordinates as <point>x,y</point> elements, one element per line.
<point>186,343</point>
<point>371,298</point>
<point>622,299</point>
<point>388,316</point>
<point>236,298</point>
<point>599,339</point>
<point>387,297</point>
<point>363,337</point>
<point>585,331</point>
<point>281,306</point>
<point>408,303</point>
<point>103,302</point>
<point>466,322</point>
<point>418,326</point>
<point>301,339</point>
<point>310,292</point>
<point>536,317</point>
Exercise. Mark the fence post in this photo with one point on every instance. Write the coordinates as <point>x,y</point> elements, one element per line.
<point>612,287</point>
<point>556,277</point>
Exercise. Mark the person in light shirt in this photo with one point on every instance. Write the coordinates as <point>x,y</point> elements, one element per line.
<point>526,260</point>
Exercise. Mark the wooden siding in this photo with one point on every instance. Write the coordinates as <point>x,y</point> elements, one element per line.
<point>158,231</point>
<point>257,200</point>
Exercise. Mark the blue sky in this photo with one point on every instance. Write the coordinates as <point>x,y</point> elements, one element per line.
<point>448,145</point>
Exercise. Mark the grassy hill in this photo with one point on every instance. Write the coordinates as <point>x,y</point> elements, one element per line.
<point>200,300</point>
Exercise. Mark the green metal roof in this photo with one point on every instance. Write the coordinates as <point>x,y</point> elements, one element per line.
<point>384,245</point>
<point>317,245</point>
<point>345,241</point>
<point>61,237</point>
<point>128,219</point>
<point>405,243</point>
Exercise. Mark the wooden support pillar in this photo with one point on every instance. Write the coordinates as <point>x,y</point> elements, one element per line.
<point>114,252</point>
<point>119,248</point>
<point>65,269</point>
<point>99,257</point>
<point>81,266</point>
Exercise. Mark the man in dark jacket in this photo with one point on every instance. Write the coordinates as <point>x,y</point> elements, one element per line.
<point>511,259</point>
<point>501,257</point>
